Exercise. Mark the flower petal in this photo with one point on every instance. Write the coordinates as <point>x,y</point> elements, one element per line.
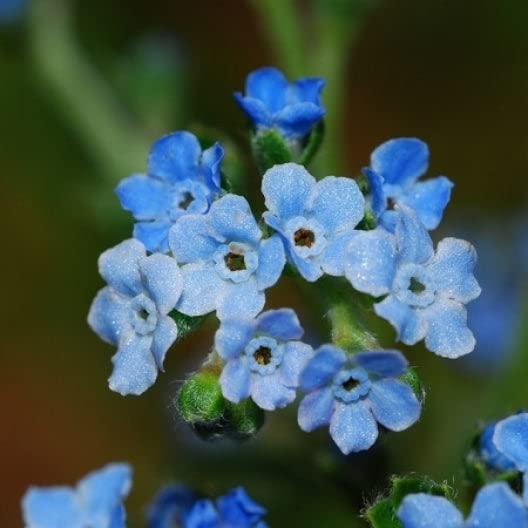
<point>53,507</point>
<point>296,357</point>
<point>237,506</point>
<point>240,300</point>
<point>154,235</point>
<point>309,268</point>
<point>414,243</point>
<point>281,324</point>
<point>307,89</point>
<point>164,336</point>
<point>255,110</point>
<point>334,256</point>
<point>108,316</point>
<point>191,239</point>
<point>235,380</point>
<point>385,363</point>
<point>325,363</point>
<point>269,393</point>
<point>211,161</point>
<point>202,514</point>
<point>378,203</point>
<point>272,259</point>
<point>315,409</point>
<point>295,120</point>
<point>511,439</point>
<point>232,336</point>
<point>420,510</point>
<point>269,86</point>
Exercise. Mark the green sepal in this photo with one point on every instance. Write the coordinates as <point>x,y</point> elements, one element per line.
<point>413,380</point>
<point>185,323</point>
<point>269,148</point>
<point>382,515</point>
<point>243,419</point>
<point>368,222</point>
<point>313,143</point>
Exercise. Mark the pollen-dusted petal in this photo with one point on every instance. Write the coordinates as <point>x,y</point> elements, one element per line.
<point>382,362</point>
<point>244,299</point>
<point>281,324</point>
<point>232,336</point>
<point>153,235</point>
<point>164,336</point>
<point>414,243</point>
<point>511,439</point>
<point>325,363</point>
<point>108,316</point>
<point>420,510</point>
<point>269,393</point>
<point>272,259</point>
<point>315,409</point>
<point>296,357</point>
<point>235,380</point>
<point>333,258</point>
<point>269,86</point>
<point>191,239</point>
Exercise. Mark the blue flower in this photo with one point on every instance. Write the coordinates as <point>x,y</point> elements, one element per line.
<point>271,102</point>
<point>489,452</point>
<point>131,313</point>
<point>315,219</point>
<point>180,180</point>
<point>170,507</point>
<point>511,439</point>
<point>353,393</point>
<point>234,510</point>
<point>395,167</point>
<point>264,358</point>
<point>495,506</point>
<point>425,292</point>
<point>96,501</point>
<point>227,264</point>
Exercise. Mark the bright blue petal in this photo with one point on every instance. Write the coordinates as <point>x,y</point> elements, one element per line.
<point>238,509</point>
<point>452,270</point>
<point>285,188</point>
<point>296,120</point>
<point>255,110</point>
<point>489,452</point>
<point>164,336</point>
<point>428,199</point>
<point>384,363</point>
<point>109,315</point>
<point>315,410</point>
<point>399,161</point>
<point>272,259</point>
<point>394,404</point>
<point>296,357</point>
<point>269,86</point>
<point>414,243</point>
<point>497,506</point>
<point>54,507</point>
<point>211,161</point>
<point>370,263</point>
<point>202,515</point>
<point>232,336</point>
<point>378,201</point>
<point>427,511</point>
<point>325,363</point>
<point>447,331</point>
<point>353,427</point>
<point>154,235</point>
<point>334,256</point>
<point>307,89</point>
<point>240,300</point>
<point>170,506</point>
<point>191,239</point>
<point>511,439</point>
<point>282,324</point>
<point>201,289</point>
<point>175,157</point>
<point>235,380</point>
<point>269,393</point>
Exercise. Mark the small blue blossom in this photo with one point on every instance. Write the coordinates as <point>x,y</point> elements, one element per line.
<point>264,358</point>
<point>234,510</point>
<point>352,393</point>
<point>272,102</point>
<point>425,292</point>
<point>227,264</point>
<point>489,452</point>
<point>180,180</point>
<point>131,313</point>
<point>170,507</point>
<point>395,167</point>
<point>316,220</point>
<point>96,501</point>
<point>495,506</point>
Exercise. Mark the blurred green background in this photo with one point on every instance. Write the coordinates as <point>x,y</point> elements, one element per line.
<point>85,87</point>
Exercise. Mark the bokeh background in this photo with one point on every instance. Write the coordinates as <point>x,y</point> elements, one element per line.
<point>85,87</point>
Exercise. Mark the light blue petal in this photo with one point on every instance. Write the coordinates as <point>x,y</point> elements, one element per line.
<point>202,288</point>
<point>400,161</point>
<point>108,316</point>
<point>420,510</point>
<point>191,239</point>
<point>325,363</point>
<point>203,514</point>
<point>334,256</point>
<point>414,243</point>
<point>309,268</point>
<point>353,427</point>
<point>211,162</point>
<point>370,263</point>
<point>119,266</point>
<point>162,279</point>
<point>54,507</point>
<point>447,332</point>
<point>269,393</point>
<point>282,324</point>
<point>389,220</point>
<point>164,336</point>
<point>409,325</point>
<point>240,300</point>
<point>135,368</point>
<point>269,86</point>
<point>452,270</point>
<point>511,439</point>
<point>154,235</point>
<point>429,199</point>
<point>232,336</point>
<point>394,404</point>
<point>255,110</point>
<point>175,157</point>
<point>315,410</point>
<point>384,363</point>
<point>232,219</point>
<point>296,120</point>
<point>296,357</point>
<point>285,188</point>
<point>337,204</point>
<point>235,380</point>
<point>272,259</point>
<point>375,181</point>
<point>307,89</point>
<point>145,197</point>
<point>489,452</point>
<point>495,506</point>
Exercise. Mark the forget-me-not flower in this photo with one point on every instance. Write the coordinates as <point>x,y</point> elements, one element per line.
<point>264,358</point>
<point>180,179</point>
<point>315,219</point>
<point>271,101</point>
<point>227,263</point>
<point>352,393</point>
<point>495,506</point>
<point>131,313</point>
<point>425,291</point>
<point>170,507</point>
<point>96,501</point>
<point>489,453</point>
<point>395,167</point>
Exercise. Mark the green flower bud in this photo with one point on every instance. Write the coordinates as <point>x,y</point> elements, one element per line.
<point>244,419</point>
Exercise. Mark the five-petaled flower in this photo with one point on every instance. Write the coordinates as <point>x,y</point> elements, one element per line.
<point>264,358</point>
<point>180,180</point>
<point>424,291</point>
<point>131,313</point>
<point>170,507</point>
<point>352,393</point>
<point>316,220</point>
<point>271,102</point>
<point>227,264</point>
<point>395,167</point>
<point>96,501</point>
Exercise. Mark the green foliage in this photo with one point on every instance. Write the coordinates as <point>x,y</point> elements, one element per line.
<point>186,324</point>
<point>269,148</point>
<point>413,380</point>
<point>245,418</point>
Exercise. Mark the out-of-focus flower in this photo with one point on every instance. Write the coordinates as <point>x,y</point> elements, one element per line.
<point>170,507</point>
